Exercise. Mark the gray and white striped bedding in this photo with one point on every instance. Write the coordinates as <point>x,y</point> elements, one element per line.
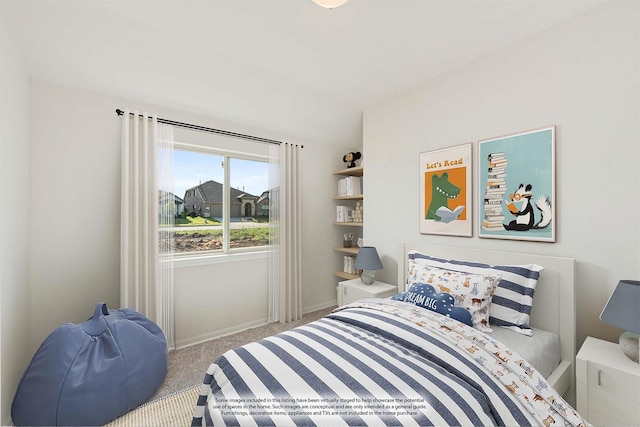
<point>378,362</point>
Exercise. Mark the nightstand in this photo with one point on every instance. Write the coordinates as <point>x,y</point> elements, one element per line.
<point>607,384</point>
<point>353,290</point>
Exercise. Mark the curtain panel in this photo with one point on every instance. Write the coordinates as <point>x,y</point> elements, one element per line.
<point>285,275</point>
<point>146,270</point>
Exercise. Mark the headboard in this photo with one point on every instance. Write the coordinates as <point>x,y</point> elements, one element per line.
<point>553,302</point>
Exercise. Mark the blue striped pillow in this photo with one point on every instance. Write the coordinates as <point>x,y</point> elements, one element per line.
<point>513,297</point>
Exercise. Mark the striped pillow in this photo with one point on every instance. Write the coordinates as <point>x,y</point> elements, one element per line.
<point>513,297</point>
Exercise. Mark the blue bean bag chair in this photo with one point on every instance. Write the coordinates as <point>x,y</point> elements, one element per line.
<point>91,373</point>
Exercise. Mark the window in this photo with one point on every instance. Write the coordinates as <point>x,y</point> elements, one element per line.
<point>222,201</point>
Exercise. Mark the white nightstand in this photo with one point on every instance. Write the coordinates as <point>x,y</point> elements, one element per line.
<point>607,384</point>
<point>353,290</point>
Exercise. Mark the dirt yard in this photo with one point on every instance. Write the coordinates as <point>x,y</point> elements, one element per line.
<point>197,242</point>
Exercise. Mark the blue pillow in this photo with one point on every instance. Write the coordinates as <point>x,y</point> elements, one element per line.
<point>425,296</point>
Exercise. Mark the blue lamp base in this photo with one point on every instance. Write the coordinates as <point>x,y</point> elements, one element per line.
<point>630,345</point>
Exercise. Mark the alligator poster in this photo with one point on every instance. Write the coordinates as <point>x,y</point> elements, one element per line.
<point>445,191</point>
<point>516,178</point>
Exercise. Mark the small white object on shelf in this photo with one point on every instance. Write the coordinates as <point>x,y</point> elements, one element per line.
<point>348,265</point>
<point>342,213</point>
<point>358,215</point>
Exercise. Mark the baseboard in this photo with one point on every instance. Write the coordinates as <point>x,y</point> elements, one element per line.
<point>220,333</point>
<point>243,327</point>
<point>321,306</point>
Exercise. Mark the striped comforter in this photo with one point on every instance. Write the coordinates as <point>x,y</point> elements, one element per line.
<point>378,362</point>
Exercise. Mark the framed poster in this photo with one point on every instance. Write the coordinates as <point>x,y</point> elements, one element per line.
<point>445,191</point>
<point>516,179</point>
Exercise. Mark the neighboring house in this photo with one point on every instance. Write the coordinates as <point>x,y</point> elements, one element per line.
<point>262,204</point>
<point>168,200</point>
<point>206,200</point>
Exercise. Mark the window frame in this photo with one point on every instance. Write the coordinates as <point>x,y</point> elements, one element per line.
<point>184,259</point>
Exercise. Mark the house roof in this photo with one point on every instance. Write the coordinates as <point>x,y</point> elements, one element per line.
<point>163,195</point>
<point>211,192</point>
<point>264,196</point>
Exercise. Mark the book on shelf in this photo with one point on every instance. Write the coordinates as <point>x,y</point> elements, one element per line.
<point>350,186</point>
<point>342,187</point>
<point>348,265</point>
<point>344,214</point>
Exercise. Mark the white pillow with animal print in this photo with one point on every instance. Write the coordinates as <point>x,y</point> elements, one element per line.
<point>512,301</point>
<point>469,290</point>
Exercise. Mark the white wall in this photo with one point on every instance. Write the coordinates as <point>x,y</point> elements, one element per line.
<point>581,76</point>
<point>14,221</point>
<point>75,185</point>
<point>218,299</point>
<point>75,191</point>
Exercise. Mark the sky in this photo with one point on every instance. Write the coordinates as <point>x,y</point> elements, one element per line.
<point>193,168</point>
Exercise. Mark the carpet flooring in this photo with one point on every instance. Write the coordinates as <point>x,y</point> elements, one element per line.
<point>187,366</point>
<point>173,403</point>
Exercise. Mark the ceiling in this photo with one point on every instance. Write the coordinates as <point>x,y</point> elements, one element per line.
<point>286,66</point>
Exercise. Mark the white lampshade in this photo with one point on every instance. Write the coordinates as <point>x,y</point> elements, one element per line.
<point>330,4</point>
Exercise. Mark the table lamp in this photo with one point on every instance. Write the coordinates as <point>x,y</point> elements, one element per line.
<point>623,311</point>
<point>367,261</point>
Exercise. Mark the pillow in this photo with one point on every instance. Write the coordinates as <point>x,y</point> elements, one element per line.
<point>470,291</point>
<point>425,296</point>
<point>513,297</point>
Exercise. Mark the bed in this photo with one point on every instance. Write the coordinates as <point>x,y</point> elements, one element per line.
<point>393,362</point>
<point>553,310</point>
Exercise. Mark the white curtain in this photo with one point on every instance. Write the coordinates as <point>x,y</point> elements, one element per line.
<point>146,267</point>
<point>285,275</point>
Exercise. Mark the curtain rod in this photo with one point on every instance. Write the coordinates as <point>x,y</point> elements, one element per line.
<point>211,130</point>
